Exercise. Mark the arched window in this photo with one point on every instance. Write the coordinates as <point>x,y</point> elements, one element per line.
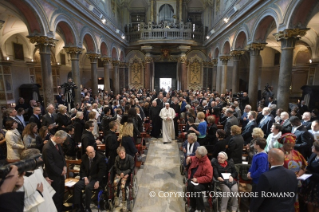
<point>166,13</point>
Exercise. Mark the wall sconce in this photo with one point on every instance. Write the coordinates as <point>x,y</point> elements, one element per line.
<point>226,20</point>
<point>207,37</point>
<point>8,58</point>
<point>310,61</point>
<point>103,20</point>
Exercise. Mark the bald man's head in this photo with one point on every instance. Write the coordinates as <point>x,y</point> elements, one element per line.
<point>90,152</point>
<point>276,157</point>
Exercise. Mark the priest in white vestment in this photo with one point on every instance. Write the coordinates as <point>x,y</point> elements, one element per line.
<point>168,114</point>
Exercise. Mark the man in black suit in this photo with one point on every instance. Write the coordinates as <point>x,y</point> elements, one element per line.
<point>137,104</point>
<point>244,100</point>
<point>248,129</point>
<point>87,138</point>
<point>285,123</point>
<point>55,166</point>
<point>304,138</point>
<point>49,119</point>
<point>93,167</point>
<point>271,101</point>
<point>306,120</point>
<point>36,117</point>
<point>266,122</point>
<point>111,143</point>
<point>69,145</point>
<point>159,101</point>
<point>277,181</point>
<point>13,116</point>
<point>231,120</point>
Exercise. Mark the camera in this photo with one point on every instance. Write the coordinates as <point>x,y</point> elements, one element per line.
<point>23,166</point>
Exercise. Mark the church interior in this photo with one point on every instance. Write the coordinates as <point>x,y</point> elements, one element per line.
<point>113,46</point>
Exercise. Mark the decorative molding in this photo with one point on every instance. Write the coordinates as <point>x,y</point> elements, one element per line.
<point>236,54</point>
<point>148,59</point>
<point>215,62</point>
<point>183,59</point>
<point>106,60</point>
<point>291,33</point>
<point>42,40</point>
<point>256,46</point>
<point>93,57</point>
<point>73,50</point>
<point>225,59</point>
<point>195,74</point>
<point>115,62</point>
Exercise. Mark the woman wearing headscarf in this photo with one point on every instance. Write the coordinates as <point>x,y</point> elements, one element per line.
<point>293,159</point>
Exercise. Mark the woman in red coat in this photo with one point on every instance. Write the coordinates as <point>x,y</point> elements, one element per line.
<point>200,173</point>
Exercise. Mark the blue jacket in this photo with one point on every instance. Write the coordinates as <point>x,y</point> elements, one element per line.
<point>196,144</point>
<point>258,166</point>
<point>183,109</point>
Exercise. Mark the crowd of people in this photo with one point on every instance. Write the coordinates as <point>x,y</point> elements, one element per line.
<point>218,125</point>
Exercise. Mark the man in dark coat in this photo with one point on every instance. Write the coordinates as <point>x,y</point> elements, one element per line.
<point>248,129</point>
<point>93,167</point>
<point>36,117</point>
<point>155,120</point>
<point>266,122</point>
<point>49,119</point>
<point>111,144</point>
<point>87,138</point>
<point>69,145</point>
<point>55,166</point>
<point>277,181</point>
<point>231,120</point>
<point>304,138</point>
<point>177,110</point>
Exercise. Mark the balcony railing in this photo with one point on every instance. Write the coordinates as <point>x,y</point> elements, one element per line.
<point>165,30</point>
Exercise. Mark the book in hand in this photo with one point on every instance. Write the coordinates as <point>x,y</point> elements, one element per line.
<point>304,177</point>
<point>194,183</point>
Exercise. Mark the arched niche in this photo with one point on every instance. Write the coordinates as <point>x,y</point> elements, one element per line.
<point>159,5</point>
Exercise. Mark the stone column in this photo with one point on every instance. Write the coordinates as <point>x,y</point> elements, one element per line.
<point>44,44</point>
<point>152,11</point>
<point>93,58</point>
<point>236,54</point>
<point>223,75</point>
<point>147,73</point>
<point>75,53</point>
<point>183,61</point>
<point>288,39</point>
<point>116,81</point>
<point>180,11</point>
<point>254,50</point>
<point>106,61</point>
<point>214,62</point>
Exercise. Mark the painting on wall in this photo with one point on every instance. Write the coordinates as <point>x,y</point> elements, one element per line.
<point>136,74</point>
<point>8,82</point>
<point>195,75</point>
<point>62,58</point>
<point>18,51</point>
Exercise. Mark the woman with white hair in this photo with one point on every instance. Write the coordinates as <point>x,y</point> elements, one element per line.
<point>190,146</point>
<point>62,120</point>
<point>200,174</point>
<point>225,172</point>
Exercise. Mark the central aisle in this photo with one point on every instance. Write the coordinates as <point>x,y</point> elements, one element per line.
<point>160,174</point>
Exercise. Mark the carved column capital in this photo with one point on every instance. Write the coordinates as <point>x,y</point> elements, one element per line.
<point>255,48</point>
<point>225,59</point>
<point>290,33</point>
<point>106,60</point>
<point>148,59</point>
<point>93,57</point>
<point>116,63</point>
<point>183,59</point>
<point>123,64</point>
<point>42,40</point>
<point>215,62</point>
<point>73,50</point>
<point>236,54</point>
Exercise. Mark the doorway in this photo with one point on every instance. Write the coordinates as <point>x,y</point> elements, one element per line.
<point>166,83</point>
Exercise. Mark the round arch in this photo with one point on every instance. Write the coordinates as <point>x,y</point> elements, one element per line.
<point>264,25</point>
<point>240,40</point>
<point>62,24</point>
<point>31,14</point>
<point>216,53</point>
<point>114,54</point>
<point>226,48</point>
<point>103,49</point>
<point>89,39</point>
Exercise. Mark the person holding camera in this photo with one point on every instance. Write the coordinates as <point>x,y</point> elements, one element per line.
<point>38,192</point>
<point>11,201</point>
<point>55,166</point>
